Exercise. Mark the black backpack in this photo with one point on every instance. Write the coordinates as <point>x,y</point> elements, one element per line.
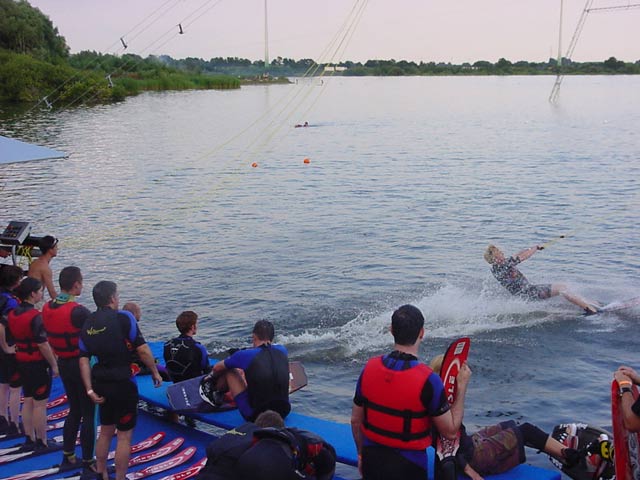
<point>181,358</point>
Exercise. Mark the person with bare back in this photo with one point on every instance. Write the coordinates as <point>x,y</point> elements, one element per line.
<point>40,268</point>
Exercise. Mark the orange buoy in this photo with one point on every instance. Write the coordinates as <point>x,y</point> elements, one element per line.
<point>254,164</point>
<point>306,160</point>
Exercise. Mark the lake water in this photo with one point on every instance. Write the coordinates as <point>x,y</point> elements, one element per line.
<point>409,179</point>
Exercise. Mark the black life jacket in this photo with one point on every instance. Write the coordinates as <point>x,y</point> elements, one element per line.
<point>268,381</point>
<point>183,358</point>
<point>301,447</point>
<point>104,336</point>
<point>223,452</point>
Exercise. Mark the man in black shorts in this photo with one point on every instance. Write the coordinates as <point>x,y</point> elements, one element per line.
<point>63,318</point>
<point>505,271</point>
<point>112,335</point>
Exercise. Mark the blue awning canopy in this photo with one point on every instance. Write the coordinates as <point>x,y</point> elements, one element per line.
<point>12,151</point>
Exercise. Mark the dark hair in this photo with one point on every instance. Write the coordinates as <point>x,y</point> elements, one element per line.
<point>103,292</point>
<point>68,277</point>
<point>269,418</point>
<point>9,275</point>
<point>27,286</point>
<point>47,243</point>
<point>186,320</point>
<point>406,323</point>
<point>263,329</point>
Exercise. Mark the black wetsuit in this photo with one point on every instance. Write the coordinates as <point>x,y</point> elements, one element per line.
<point>112,335</point>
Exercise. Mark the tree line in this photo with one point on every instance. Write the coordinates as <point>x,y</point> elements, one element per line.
<point>35,59</point>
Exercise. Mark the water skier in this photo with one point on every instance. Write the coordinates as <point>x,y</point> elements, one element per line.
<point>505,271</point>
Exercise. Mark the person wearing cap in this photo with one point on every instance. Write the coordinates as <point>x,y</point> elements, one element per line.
<point>40,268</point>
<point>267,450</point>
<point>397,401</point>
<point>258,377</point>
<point>505,271</point>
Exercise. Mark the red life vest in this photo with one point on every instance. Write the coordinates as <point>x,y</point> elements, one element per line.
<point>394,415</point>
<point>61,334</point>
<point>20,326</point>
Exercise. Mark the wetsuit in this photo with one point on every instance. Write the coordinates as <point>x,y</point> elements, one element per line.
<point>63,319</point>
<point>266,369</point>
<point>27,329</point>
<point>112,336</point>
<point>185,358</point>
<point>513,280</point>
<point>379,460</point>
<point>8,366</point>
<point>249,448</point>
<point>498,448</point>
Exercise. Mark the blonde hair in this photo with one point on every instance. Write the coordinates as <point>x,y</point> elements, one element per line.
<point>490,253</point>
<point>436,363</point>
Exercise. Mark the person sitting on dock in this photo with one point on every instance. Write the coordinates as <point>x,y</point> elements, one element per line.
<point>397,401</point>
<point>497,448</point>
<point>111,335</point>
<point>505,271</point>
<point>258,377</point>
<point>63,319</point>
<point>626,377</point>
<point>184,357</point>
<point>266,450</point>
<point>40,268</point>
<point>137,365</point>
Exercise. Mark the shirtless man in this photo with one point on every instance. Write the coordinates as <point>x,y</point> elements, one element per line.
<point>505,271</point>
<point>40,269</point>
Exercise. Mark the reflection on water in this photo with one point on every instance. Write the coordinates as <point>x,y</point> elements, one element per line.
<point>409,180</point>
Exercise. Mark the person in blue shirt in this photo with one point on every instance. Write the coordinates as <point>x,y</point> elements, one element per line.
<point>184,356</point>
<point>258,377</point>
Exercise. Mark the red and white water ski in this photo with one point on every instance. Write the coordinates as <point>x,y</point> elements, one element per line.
<point>192,471</point>
<point>44,472</point>
<point>52,417</point>
<point>182,457</point>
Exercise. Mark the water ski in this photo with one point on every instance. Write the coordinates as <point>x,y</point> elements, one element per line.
<point>598,463</point>
<point>621,305</point>
<point>193,395</point>
<point>454,357</point>
<point>626,444</point>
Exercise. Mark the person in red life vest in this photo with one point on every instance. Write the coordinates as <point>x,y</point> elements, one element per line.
<point>398,400</point>
<point>63,318</point>
<point>36,362</point>
<point>10,384</point>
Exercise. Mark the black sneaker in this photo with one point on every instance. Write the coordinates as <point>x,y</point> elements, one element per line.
<point>13,429</point>
<point>28,446</point>
<point>4,425</point>
<point>69,462</point>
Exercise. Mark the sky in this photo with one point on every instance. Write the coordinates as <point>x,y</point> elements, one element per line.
<point>454,31</point>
